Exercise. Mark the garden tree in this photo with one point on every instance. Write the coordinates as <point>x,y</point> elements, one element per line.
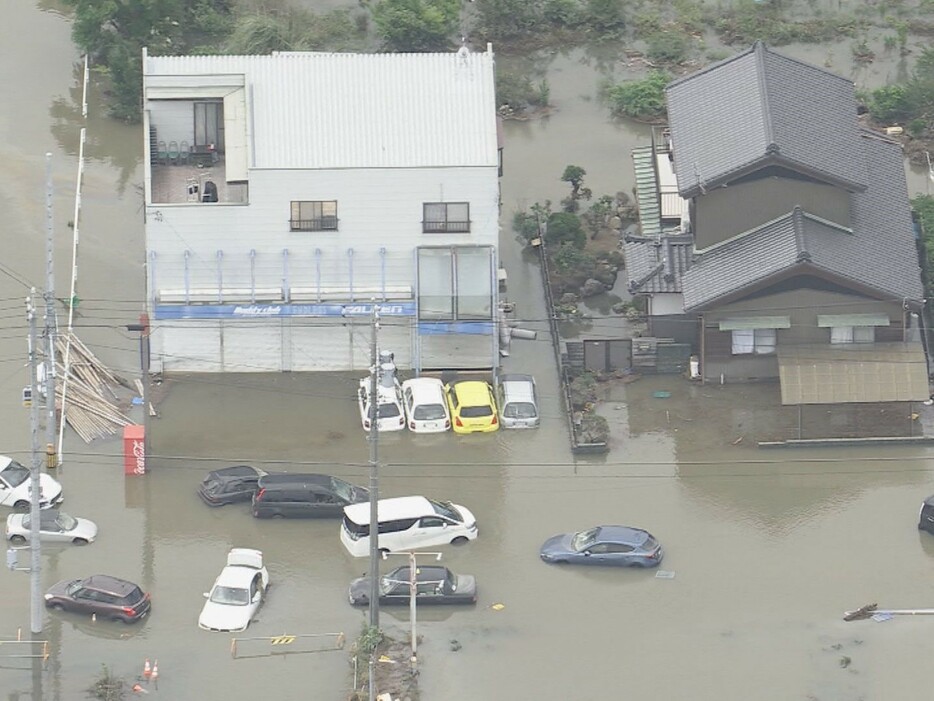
<point>640,99</point>
<point>575,176</point>
<point>564,227</point>
<point>416,25</point>
<point>113,32</point>
<point>293,29</point>
<point>597,217</point>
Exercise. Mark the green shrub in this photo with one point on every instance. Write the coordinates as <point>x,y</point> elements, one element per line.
<point>667,47</point>
<point>890,103</point>
<point>570,258</point>
<point>605,16</point>
<point>416,25</point>
<point>563,13</point>
<point>514,90</point>
<point>639,99</point>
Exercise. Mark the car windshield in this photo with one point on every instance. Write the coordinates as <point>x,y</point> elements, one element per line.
<point>72,588</point>
<point>445,509</point>
<point>584,539</point>
<point>342,489</point>
<point>66,522</point>
<point>649,544</point>
<point>519,410</point>
<point>476,412</point>
<point>230,596</point>
<point>14,474</point>
<point>428,412</point>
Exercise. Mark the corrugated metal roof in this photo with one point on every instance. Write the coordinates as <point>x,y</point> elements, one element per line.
<point>335,110</point>
<point>760,107</point>
<point>646,191</point>
<point>877,372</point>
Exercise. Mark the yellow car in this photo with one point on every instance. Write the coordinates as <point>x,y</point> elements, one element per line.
<point>473,408</point>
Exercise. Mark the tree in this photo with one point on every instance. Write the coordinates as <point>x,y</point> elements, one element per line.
<point>113,34</point>
<point>416,25</point>
<point>564,227</point>
<point>508,19</point>
<point>575,176</point>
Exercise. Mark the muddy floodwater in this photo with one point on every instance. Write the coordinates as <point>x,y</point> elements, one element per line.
<point>765,550</point>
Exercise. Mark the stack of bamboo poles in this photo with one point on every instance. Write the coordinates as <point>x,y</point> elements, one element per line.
<point>92,405</point>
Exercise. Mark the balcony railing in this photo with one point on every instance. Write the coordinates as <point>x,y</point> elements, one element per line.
<point>446,227</point>
<point>322,224</point>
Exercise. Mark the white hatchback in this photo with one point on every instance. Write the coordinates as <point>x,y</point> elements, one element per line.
<point>425,406</point>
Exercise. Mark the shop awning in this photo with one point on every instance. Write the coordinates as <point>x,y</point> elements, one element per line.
<point>755,322</point>
<point>871,372</point>
<point>828,320</point>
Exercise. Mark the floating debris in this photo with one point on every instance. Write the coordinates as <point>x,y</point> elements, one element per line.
<point>664,574</point>
<point>661,394</point>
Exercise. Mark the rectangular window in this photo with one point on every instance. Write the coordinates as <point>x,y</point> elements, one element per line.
<point>446,217</point>
<point>757,341</point>
<point>314,216</point>
<point>852,334</point>
<point>436,283</point>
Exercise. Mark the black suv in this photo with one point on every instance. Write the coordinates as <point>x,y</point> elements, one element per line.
<point>101,594</point>
<point>304,496</point>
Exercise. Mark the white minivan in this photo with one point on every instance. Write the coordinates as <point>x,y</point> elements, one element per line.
<point>406,523</point>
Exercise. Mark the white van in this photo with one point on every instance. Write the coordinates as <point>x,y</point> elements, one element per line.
<point>406,523</point>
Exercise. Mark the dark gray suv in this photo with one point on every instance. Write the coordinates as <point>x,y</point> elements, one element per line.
<point>304,496</point>
<point>107,597</point>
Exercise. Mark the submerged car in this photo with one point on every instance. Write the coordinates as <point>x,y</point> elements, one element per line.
<point>433,585</point>
<point>926,517</point>
<point>619,546</point>
<point>518,401</point>
<point>237,594</point>
<point>102,595</point>
<point>54,526</point>
<point>426,409</point>
<point>473,407</point>
<point>305,496</point>
<point>390,415</point>
<point>229,485</point>
<point>15,486</point>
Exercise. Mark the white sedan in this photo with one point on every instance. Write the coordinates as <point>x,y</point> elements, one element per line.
<point>16,490</point>
<point>425,405</point>
<point>237,594</point>
<point>54,525</point>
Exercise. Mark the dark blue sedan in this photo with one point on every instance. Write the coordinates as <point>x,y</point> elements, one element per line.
<point>619,546</point>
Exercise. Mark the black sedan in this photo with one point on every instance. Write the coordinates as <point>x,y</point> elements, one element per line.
<point>621,546</point>
<point>433,585</point>
<point>229,485</point>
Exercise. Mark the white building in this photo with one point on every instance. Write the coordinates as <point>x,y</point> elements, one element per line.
<point>286,193</point>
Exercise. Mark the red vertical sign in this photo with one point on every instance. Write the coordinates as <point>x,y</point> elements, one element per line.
<point>134,450</point>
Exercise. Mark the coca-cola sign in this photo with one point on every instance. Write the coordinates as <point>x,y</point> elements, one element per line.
<point>139,453</point>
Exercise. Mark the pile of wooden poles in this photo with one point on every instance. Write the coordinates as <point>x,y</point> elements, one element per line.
<point>91,404</point>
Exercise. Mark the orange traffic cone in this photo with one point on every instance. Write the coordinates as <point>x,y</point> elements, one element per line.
<point>147,670</point>
<point>155,670</point>
<point>137,689</point>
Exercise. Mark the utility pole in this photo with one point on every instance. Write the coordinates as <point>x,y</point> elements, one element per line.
<point>35,493</point>
<point>413,596</point>
<point>374,490</point>
<point>51,324</point>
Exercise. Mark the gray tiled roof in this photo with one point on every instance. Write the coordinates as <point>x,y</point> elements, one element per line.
<point>657,265</point>
<point>759,108</point>
<point>879,253</point>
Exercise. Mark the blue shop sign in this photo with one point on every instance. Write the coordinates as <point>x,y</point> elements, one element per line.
<point>262,311</point>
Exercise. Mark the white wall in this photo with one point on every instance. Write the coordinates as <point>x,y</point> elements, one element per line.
<point>376,208</point>
<point>666,303</point>
<point>174,120</point>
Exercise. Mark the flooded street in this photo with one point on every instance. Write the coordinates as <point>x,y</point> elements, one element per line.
<point>767,548</point>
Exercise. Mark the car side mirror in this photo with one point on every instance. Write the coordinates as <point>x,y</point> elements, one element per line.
<point>586,553</point>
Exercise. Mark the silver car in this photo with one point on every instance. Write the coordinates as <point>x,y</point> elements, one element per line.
<point>54,526</point>
<point>518,401</point>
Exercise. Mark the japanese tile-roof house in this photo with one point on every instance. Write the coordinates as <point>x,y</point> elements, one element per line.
<point>795,257</point>
<point>286,193</point>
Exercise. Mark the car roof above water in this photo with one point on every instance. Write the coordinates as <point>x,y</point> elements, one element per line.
<point>111,585</point>
<point>294,480</point>
<point>390,509</point>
